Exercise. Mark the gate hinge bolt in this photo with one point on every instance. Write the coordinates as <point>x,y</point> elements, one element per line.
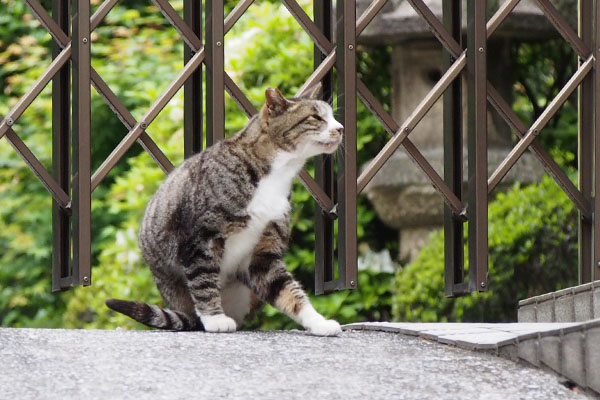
<point>9,121</point>
<point>143,125</point>
<point>86,279</point>
<point>598,263</point>
<point>84,40</point>
<point>482,284</point>
<point>481,49</point>
<point>350,46</point>
<point>352,283</point>
<point>219,44</point>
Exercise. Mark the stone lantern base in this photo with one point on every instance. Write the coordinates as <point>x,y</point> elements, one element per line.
<point>404,198</point>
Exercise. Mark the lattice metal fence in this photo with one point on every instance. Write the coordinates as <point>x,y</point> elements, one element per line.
<point>335,192</point>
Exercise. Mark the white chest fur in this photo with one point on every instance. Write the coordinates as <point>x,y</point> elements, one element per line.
<point>270,202</point>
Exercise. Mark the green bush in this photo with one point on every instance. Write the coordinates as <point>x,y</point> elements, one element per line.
<point>532,250</point>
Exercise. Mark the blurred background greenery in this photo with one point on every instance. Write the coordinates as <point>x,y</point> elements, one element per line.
<point>533,235</point>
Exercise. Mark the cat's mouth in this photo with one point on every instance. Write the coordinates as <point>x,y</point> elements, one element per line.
<point>333,142</point>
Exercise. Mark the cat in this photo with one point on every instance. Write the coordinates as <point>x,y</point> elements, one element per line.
<point>215,232</point>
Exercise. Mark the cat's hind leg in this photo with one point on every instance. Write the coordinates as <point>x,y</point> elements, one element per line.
<point>202,278</point>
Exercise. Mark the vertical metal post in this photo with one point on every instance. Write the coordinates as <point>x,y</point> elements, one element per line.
<point>81,144</point>
<point>586,146</point>
<point>453,157</point>
<point>61,114</point>
<point>596,204</point>
<point>192,90</point>
<point>346,114</point>
<point>324,225</point>
<point>215,87</point>
<point>477,142</point>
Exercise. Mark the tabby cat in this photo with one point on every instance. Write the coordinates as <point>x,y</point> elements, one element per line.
<point>215,232</point>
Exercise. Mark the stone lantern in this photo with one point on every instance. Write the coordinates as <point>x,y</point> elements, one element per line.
<point>401,194</point>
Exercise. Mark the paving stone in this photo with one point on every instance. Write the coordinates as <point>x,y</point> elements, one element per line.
<point>573,366</point>
<point>583,306</point>
<point>592,349</point>
<point>550,352</point>
<point>528,351</point>
<point>545,311</point>
<point>482,341</point>
<point>564,309</point>
<point>527,313</point>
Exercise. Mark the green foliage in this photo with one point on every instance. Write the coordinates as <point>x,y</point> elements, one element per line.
<point>532,250</point>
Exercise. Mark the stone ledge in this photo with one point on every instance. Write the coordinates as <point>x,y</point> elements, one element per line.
<point>577,304</point>
<point>570,349</point>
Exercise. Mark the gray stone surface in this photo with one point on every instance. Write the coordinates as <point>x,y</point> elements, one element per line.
<point>597,301</point>
<point>564,309</point>
<point>592,348</point>
<point>550,352</point>
<point>527,313</point>
<point>70,364</point>
<point>545,311</point>
<point>528,351</point>
<point>583,306</point>
<point>568,348</point>
<point>573,357</point>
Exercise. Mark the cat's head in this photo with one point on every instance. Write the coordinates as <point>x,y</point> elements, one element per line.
<point>304,125</point>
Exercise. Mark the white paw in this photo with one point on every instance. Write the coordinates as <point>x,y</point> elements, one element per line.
<point>218,323</point>
<point>324,327</point>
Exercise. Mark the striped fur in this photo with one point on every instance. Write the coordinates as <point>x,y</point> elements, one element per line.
<point>215,232</point>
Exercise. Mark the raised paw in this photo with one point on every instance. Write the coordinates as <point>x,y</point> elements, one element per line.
<point>324,327</point>
<point>218,323</point>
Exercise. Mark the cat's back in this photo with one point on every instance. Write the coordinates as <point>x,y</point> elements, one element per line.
<point>216,179</point>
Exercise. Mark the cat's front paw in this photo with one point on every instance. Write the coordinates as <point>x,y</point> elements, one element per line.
<point>324,327</point>
<point>218,323</point>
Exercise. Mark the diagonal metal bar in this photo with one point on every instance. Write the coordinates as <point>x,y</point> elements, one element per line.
<point>238,96</point>
<point>547,161</point>
<point>402,132</point>
<point>329,61</point>
<point>101,12</point>
<point>38,169</point>
<point>317,193</point>
<point>115,104</point>
<point>103,89</point>
<point>235,14</point>
<point>309,26</point>
<point>14,114</point>
<point>500,15</point>
<point>564,28</point>
<point>509,116</point>
<point>47,22</point>
<point>368,15</point>
<point>318,74</point>
<point>540,123</point>
<point>152,112</point>
<point>436,26</point>
<point>55,31</point>
<point>393,129</point>
<point>188,35</point>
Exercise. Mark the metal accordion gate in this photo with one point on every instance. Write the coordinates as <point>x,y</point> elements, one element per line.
<point>335,191</point>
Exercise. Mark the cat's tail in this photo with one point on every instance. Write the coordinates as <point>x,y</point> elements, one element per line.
<point>155,316</point>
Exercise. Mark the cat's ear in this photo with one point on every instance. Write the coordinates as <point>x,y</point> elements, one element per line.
<point>314,92</point>
<point>276,103</point>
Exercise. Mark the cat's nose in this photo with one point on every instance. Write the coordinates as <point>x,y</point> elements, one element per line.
<point>340,130</point>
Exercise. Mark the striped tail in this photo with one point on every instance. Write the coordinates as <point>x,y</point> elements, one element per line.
<point>155,316</point>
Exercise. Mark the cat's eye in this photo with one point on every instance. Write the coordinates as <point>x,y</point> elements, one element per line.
<point>318,117</point>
